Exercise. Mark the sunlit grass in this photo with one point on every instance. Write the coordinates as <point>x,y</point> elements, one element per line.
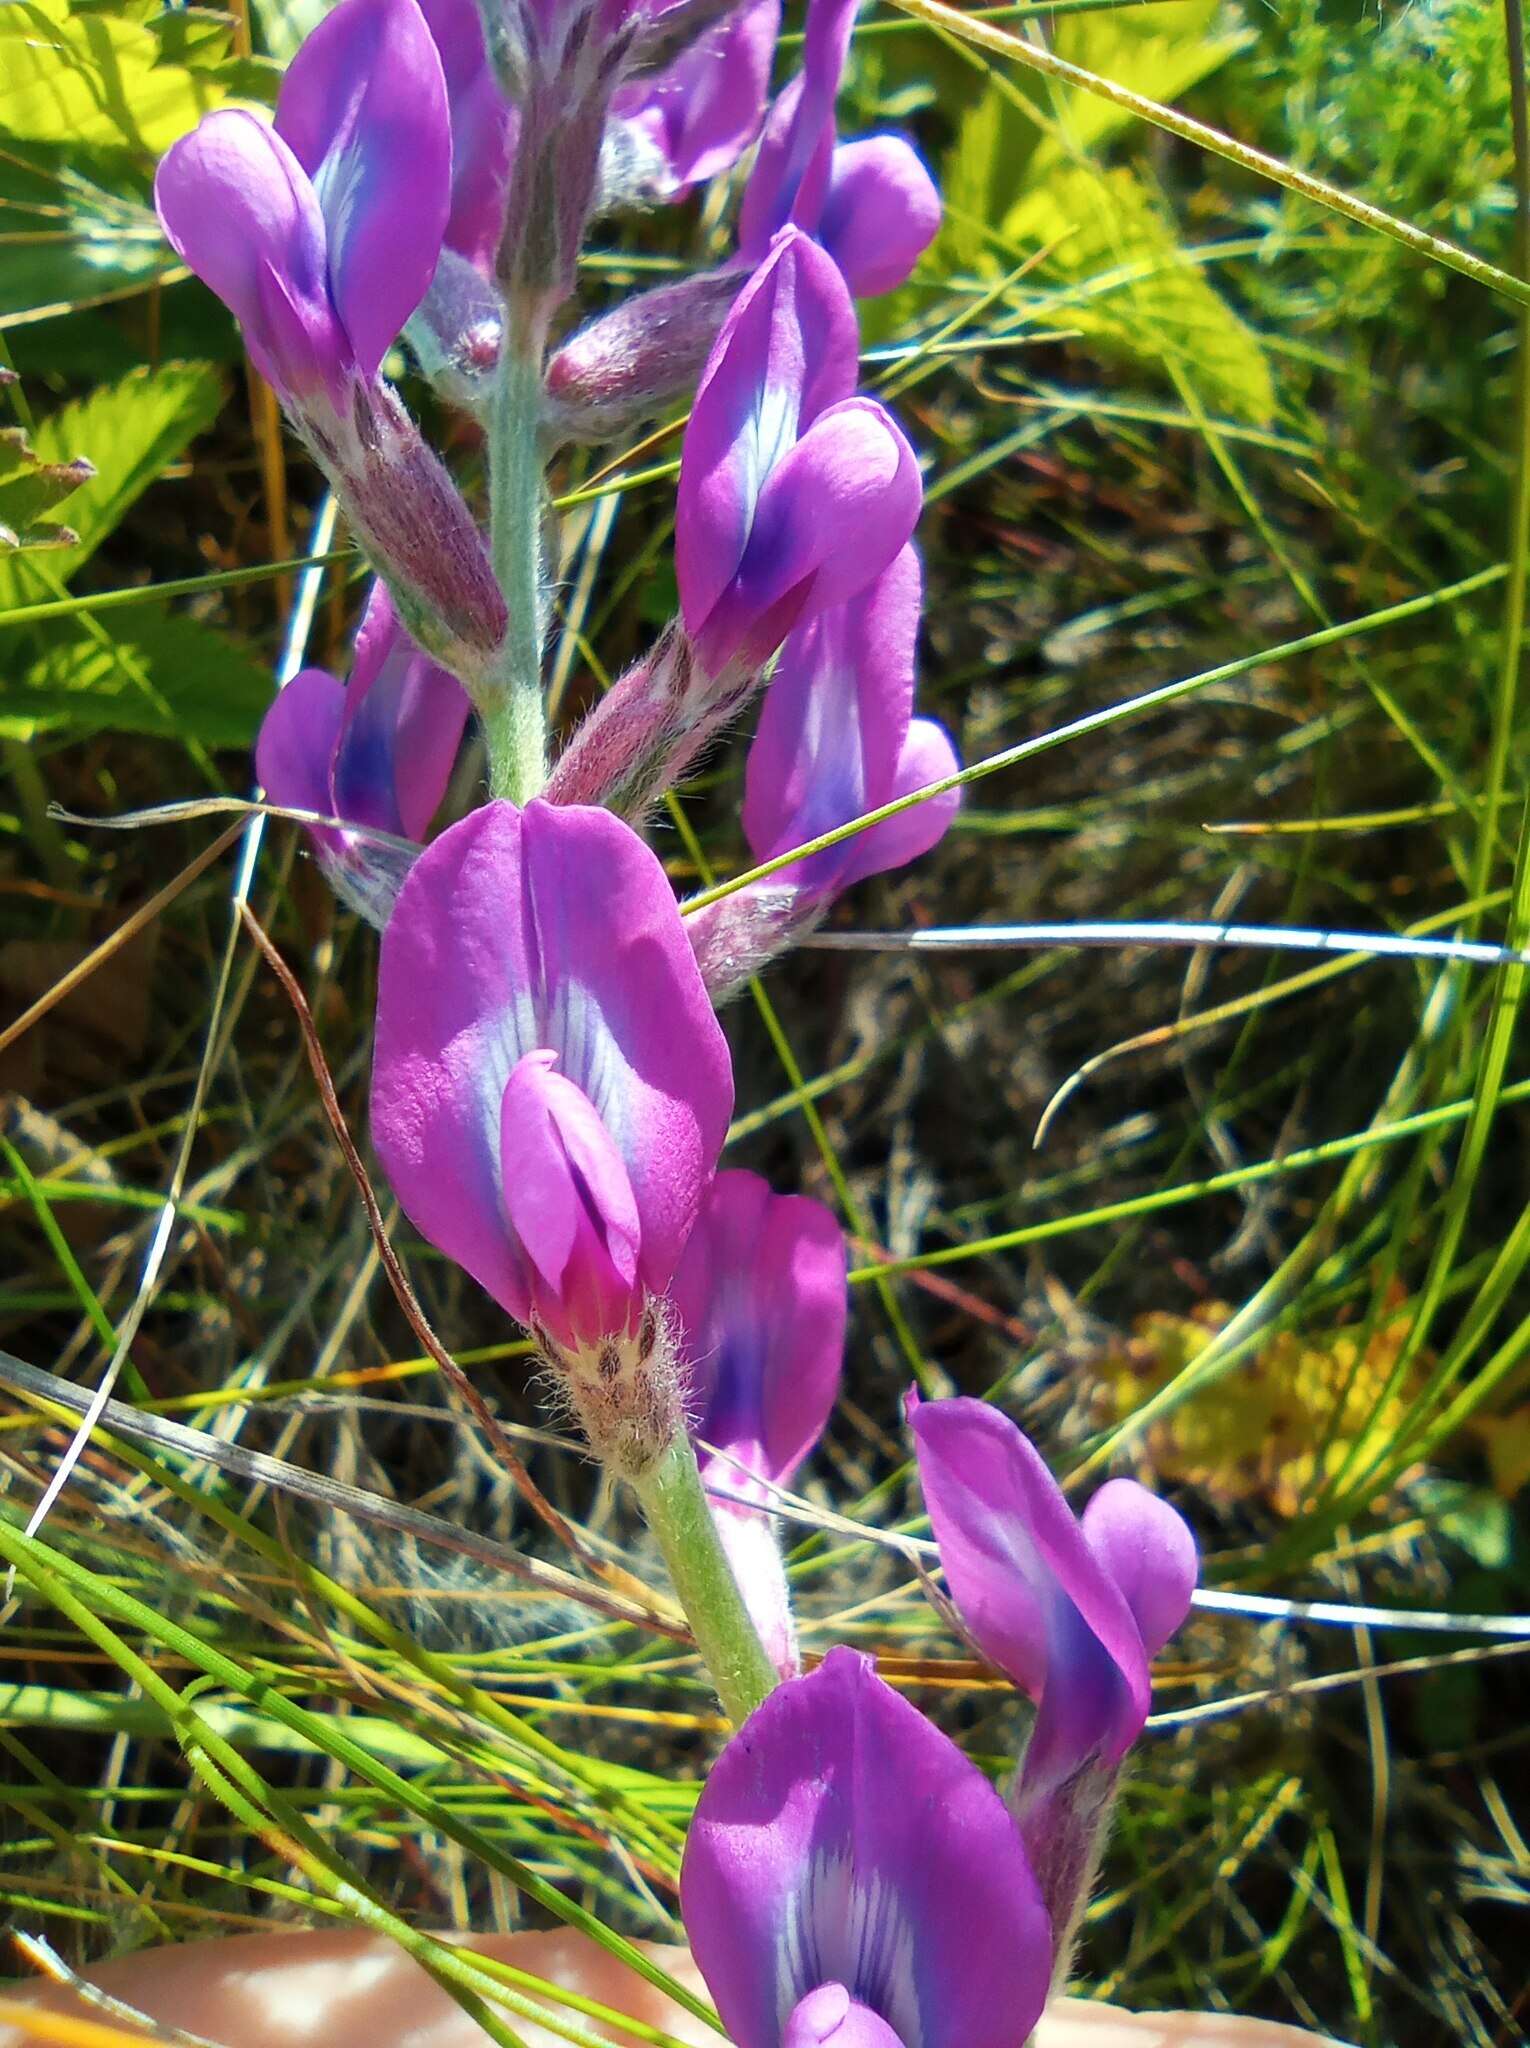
<point>1203,666</point>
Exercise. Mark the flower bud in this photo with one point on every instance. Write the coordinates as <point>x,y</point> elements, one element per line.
<point>637,359</point>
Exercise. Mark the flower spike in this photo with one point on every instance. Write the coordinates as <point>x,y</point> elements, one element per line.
<point>760,1297</point>
<point>780,463</point>
<point>850,1878</point>
<point>376,753</point>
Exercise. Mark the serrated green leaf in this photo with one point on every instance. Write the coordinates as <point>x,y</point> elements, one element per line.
<point>164,675</point>
<point>96,80</point>
<point>130,430</point>
<point>1131,288</point>
<point>29,487</point>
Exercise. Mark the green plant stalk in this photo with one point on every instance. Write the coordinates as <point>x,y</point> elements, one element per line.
<point>675,1504</point>
<point>514,718</point>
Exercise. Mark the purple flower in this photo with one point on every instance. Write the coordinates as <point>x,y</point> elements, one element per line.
<point>793,494</point>
<point>321,234</point>
<point>377,753</point>
<point>850,1878</point>
<point>694,118</point>
<point>871,203</point>
<point>836,739</point>
<point>761,1298</point>
<point>482,129</point>
<point>1070,1609</point>
<point>550,1088</point>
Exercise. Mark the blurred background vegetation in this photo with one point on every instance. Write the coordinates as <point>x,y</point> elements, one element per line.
<point>1183,425</point>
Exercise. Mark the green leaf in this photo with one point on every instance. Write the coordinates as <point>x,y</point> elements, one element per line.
<point>284,23</point>
<point>165,675</point>
<point>76,233</point>
<point>130,430</point>
<point>1131,288</point>
<point>977,176</point>
<point>96,80</point>
<point>1158,51</point>
<point>30,487</point>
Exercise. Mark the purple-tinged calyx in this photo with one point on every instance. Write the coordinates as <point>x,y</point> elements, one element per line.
<point>760,1299</point>
<point>871,203</point>
<point>1072,1609</point>
<point>550,1091</point>
<point>780,463</point>
<point>842,1854</point>
<point>376,753</point>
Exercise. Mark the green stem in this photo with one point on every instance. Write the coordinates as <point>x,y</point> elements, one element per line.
<point>675,1503</point>
<point>514,720</point>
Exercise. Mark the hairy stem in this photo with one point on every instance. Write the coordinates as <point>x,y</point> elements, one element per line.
<point>675,1504</point>
<point>514,720</point>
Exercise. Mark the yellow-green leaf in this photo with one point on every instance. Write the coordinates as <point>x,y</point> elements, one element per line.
<point>95,80</point>
<point>129,430</point>
<point>1133,290</point>
<point>1158,51</point>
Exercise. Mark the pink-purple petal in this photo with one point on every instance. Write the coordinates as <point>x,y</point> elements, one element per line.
<point>545,929</point>
<point>1150,1553</point>
<point>830,2018</point>
<point>702,111</point>
<point>786,353</point>
<point>834,735</point>
<point>881,213</point>
<point>569,1203</point>
<point>363,107</point>
<point>297,741</point>
<point>761,1296</point>
<point>842,1839</point>
<point>1029,1588</point>
<point>403,725</point>
<point>850,474</point>
<point>482,129</point>
<point>237,205</point>
<point>927,756</point>
<point>790,179</point>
